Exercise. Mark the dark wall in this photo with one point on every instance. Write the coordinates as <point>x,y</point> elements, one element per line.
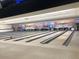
<point>77,24</point>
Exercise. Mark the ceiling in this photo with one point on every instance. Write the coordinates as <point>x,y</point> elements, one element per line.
<point>11,8</point>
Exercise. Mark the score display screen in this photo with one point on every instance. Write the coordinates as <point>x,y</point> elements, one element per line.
<point>19,1</point>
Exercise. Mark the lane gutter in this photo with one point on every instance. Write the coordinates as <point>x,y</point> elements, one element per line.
<point>68,40</point>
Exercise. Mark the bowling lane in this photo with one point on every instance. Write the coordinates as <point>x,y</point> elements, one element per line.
<point>37,42</point>
<point>16,34</point>
<point>75,40</point>
<point>60,40</point>
<point>23,41</point>
<point>13,51</point>
<point>37,36</point>
<point>28,35</point>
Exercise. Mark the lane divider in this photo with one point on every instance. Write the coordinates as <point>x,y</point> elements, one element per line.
<point>46,41</point>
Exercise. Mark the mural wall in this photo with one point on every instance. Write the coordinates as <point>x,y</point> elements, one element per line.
<point>66,24</point>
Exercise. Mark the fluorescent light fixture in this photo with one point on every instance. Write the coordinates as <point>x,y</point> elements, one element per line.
<point>46,16</point>
<point>54,13</point>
